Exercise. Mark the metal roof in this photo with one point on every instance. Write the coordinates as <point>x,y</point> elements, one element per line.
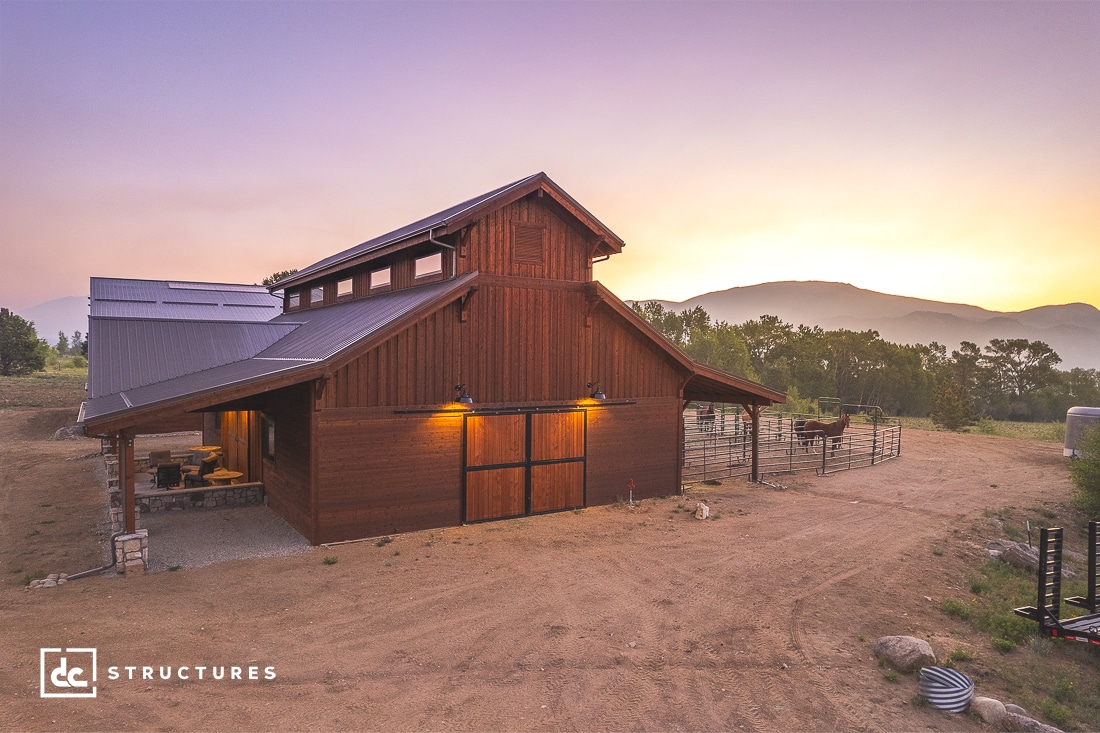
<point>177,300</point>
<point>327,331</point>
<point>441,220</point>
<point>156,350</point>
<point>435,221</point>
<point>141,363</point>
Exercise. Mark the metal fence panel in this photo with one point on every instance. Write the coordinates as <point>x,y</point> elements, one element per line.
<point>719,445</point>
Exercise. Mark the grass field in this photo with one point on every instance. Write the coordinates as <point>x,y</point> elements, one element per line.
<point>54,388</point>
<point>1047,432</point>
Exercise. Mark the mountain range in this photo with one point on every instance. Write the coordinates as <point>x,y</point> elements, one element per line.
<point>63,314</point>
<point>1072,330</point>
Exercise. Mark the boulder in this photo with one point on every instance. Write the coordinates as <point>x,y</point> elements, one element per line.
<point>989,710</point>
<point>1009,707</point>
<point>1015,722</point>
<point>72,432</point>
<point>905,653</point>
<point>1020,555</point>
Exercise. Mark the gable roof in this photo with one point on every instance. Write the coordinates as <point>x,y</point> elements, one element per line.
<point>451,220</point>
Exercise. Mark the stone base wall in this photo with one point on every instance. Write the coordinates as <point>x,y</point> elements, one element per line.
<point>209,497</point>
<point>132,552</point>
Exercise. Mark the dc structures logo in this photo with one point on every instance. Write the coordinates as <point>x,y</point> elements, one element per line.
<point>67,672</point>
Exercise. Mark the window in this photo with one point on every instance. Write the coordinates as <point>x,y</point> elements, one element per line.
<point>268,437</point>
<point>293,301</point>
<point>429,265</point>
<point>316,295</point>
<point>380,278</point>
<point>343,288</point>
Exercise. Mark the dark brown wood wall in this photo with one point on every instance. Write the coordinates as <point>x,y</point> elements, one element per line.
<point>287,479</point>
<point>627,364</point>
<point>519,345</point>
<point>490,247</point>
<point>640,442</point>
<point>379,473</point>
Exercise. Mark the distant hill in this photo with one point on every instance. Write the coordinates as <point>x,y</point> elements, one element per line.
<point>1071,330</point>
<point>63,314</point>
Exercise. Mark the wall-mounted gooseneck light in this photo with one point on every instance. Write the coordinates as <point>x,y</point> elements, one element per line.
<point>464,397</point>
<point>597,393</point>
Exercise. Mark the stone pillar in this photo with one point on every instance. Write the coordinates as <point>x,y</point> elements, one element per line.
<point>132,552</point>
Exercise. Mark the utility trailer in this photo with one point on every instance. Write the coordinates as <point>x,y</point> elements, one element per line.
<point>1086,628</point>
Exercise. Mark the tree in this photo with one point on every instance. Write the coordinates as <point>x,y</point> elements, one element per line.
<point>1021,367</point>
<point>951,405</point>
<point>277,276</point>
<point>19,346</point>
<point>62,343</point>
<point>1085,472</point>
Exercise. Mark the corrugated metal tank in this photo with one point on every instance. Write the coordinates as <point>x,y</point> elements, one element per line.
<point>1078,419</point>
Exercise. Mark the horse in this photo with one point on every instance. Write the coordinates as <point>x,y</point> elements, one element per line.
<point>812,429</point>
<point>705,418</point>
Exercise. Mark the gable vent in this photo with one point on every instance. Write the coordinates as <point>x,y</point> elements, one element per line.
<point>528,244</point>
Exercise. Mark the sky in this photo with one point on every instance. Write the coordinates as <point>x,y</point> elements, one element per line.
<point>940,150</point>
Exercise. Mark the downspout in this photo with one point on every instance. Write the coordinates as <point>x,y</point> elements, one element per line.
<point>114,559</point>
<point>454,252</point>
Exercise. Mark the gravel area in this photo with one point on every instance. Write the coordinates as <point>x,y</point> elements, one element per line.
<point>192,539</point>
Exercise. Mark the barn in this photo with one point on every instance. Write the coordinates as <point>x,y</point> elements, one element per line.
<point>465,367</point>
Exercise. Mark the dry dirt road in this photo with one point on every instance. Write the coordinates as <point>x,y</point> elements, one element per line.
<point>613,618</point>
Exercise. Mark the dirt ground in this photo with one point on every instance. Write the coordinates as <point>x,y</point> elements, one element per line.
<point>612,618</point>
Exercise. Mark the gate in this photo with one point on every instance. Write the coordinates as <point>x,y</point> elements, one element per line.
<point>523,463</point>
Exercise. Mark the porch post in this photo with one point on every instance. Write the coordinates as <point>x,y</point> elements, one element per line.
<point>126,480</point>
<point>754,413</point>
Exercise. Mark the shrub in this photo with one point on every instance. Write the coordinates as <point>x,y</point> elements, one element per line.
<point>1055,713</point>
<point>1004,646</point>
<point>1085,472</point>
<point>955,609</point>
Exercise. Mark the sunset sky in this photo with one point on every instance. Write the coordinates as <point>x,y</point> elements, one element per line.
<point>942,150</point>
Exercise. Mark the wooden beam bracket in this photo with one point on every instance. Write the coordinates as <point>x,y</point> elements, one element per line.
<point>464,240</point>
<point>464,306</point>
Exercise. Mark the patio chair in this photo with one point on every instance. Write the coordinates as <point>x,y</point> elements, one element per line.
<point>198,478</point>
<point>169,475</point>
<point>156,458</point>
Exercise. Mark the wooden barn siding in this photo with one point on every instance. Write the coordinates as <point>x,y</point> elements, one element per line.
<point>287,478</point>
<point>380,473</point>
<point>519,345</point>
<point>489,246</point>
<point>627,365</point>
<point>640,442</point>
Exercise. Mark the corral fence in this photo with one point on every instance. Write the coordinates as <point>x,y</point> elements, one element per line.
<point>718,444</point>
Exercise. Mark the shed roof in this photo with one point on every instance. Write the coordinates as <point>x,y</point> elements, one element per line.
<point>178,300</point>
<point>454,218</point>
<point>295,346</point>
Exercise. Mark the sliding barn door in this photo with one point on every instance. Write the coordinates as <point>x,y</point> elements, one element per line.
<point>524,463</point>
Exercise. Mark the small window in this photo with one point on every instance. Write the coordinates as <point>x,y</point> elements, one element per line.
<point>343,288</point>
<point>430,265</point>
<point>380,278</point>
<point>293,301</point>
<point>316,295</point>
<point>269,437</point>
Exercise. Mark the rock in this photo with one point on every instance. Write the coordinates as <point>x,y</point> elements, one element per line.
<point>1015,722</point>
<point>702,511</point>
<point>73,432</point>
<point>905,653</point>
<point>1020,555</point>
<point>1009,707</point>
<point>989,710</point>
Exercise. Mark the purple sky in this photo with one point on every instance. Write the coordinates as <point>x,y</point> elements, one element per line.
<point>942,150</point>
